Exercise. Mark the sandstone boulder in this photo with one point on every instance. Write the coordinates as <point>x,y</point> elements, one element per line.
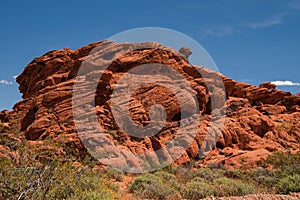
<point>259,120</point>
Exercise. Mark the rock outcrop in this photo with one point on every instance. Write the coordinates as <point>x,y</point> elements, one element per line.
<point>259,120</point>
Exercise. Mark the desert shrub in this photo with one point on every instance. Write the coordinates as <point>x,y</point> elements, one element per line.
<point>25,182</point>
<point>235,173</point>
<point>233,187</point>
<point>289,184</point>
<point>284,163</point>
<point>284,176</point>
<point>113,186</point>
<point>159,192</point>
<point>184,175</point>
<point>51,181</point>
<point>165,176</point>
<point>264,177</point>
<point>91,195</point>
<point>114,173</point>
<point>209,174</point>
<point>153,187</point>
<point>36,172</point>
<point>9,142</point>
<point>142,181</point>
<point>71,182</point>
<point>198,188</point>
<point>169,180</point>
<point>169,168</point>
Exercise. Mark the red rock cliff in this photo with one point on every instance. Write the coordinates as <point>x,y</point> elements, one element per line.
<point>259,120</point>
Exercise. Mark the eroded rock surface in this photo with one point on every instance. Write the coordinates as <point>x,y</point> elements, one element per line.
<point>259,120</point>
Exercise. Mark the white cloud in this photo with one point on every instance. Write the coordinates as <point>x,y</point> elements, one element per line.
<point>269,22</point>
<point>15,76</point>
<point>285,83</point>
<point>294,5</point>
<point>220,31</point>
<point>244,80</point>
<point>5,82</point>
<point>229,30</point>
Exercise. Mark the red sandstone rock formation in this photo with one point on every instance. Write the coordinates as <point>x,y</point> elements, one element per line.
<point>259,120</point>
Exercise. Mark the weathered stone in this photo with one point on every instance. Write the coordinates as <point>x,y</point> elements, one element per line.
<point>259,119</point>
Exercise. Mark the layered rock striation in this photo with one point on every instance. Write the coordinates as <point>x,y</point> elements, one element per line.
<point>258,120</point>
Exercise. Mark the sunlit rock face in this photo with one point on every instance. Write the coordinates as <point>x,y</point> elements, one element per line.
<point>259,120</point>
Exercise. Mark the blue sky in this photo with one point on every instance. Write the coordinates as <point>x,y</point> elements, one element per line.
<point>250,40</point>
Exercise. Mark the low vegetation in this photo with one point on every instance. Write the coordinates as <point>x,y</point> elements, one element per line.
<point>186,183</point>
<point>37,174</point>
<point>28,174</point>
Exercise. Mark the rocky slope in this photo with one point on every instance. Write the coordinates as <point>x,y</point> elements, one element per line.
<point>259,120</point>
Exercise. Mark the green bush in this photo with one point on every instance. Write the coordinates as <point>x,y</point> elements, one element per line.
<point>284,178</point>
<point>154,187</point>
<point>169,181</point>
<point>114,173</point>
<point>37,172</point>
<point>24,182</point>
<point>265,178</point>
<point>285,163</point>
<point>185,175</point>
<point>169,168</point>
<point>143,180</point>
<point>289,184</point>
<point>198,188</point>
<point>209,174</point>
<point>159,192</point>
<point>165,176</point>
<point>235,173</point>
<point>74,182</point>
<point>52,181</point>
<point>91,195</point>
<point>233,187</point>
